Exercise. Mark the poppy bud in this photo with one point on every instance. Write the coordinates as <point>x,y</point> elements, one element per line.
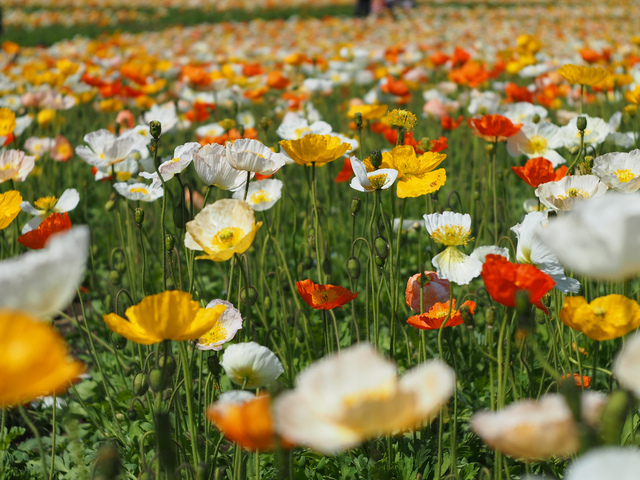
<point>467,316</point>
<point>168,364</point>
<point>581,123</point>
<point>157,380</point>
<point>139,216</point>
<point>356,203</point>
<point>353,268</point>
<point>490,315</point>
<point>114,277</point>
<point>381,246</point>
<point>489,148</point>
<point>118,341</point>
<point>265,123</point>
<point>476,195</point>
<point>155,129</point>
<point>311,239</point>
<point>121,267</point>
<point>376,158</point>
<point>107,465</point>
<point>169,242</point>
<point>326,266</point>
<point>132,414</point>
<point>358,119</point>
<point>109,205</point>
<point>380,261</point>
<point>267,302</point>
<point>249,295</point>
<point>140,384</point>
<point>536,119</point>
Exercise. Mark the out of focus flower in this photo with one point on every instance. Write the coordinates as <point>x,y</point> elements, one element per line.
<point>604,318</point>
<point>577,74</point>
<point>251,365</point>
<point>221,229</point>
<point>7,122</point>
<point>35,360</point>
<point>566,192</point>
<point>61,151</point>
<point>343,400</point>
<point>368,112</point>
<point>139,191</point>
<point>619,170</point>
<point>435,290</point>
<point>625,366</point>
<point>452,230</point>
<point>10,206</point>
<point>38,238</point>
<point>224,329</point>
<point>15,165</point>
<point>324,297</point>
<point>579,381</point>
<point>262,195</point>
<point>45,206</point>
<point>494,127</point>
<point>595,133</point>
<point>252,156</point>
<point>538,171</point>
<point>364,181</point>
<point>105,149</point>
<point>621,463</point>
<point>32,281</point>
<point>38,146</point>
<point>294,127</point>
<point>166,114</point>
<point>170,315</point>
<point>315,149</point>
<point>245,419</point>
<point>346,173</point>
<point>504,280</point>
<point>436,315</point>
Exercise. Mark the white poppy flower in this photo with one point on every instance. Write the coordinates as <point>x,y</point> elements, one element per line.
<point>481,253</point>
<point>38,146</point>
<point>595,133</point>
<point>225,328</point>
<point>32,282</point>
<point>524,112</point>
<point>182,157</point>
<point>43,207</point>
<point>626,364</point>
<point>166,114</point>
<point>124,170</point>
<point>209,130</point>
<point>619,170</point>
<point>139,191</point>
<point>105,149</point>
<point>294,127</point>
<point>371,181</point>
<point>262,195</point>
<point>619,463</point>
<point>537,140</point>
<point>252,156</point>
<point>213,168</point>
<point>251,365</point>
<point>15,165</point>
<point>246,119</point>
<point>565,193</point>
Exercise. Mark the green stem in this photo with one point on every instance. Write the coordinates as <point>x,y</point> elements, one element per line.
<point>34,430</point>
<point>53,437</point>
<point>316,221</point>
<point>184,358</point>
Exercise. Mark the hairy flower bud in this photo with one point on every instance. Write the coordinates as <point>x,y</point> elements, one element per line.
<point>581,123</point>
<point>139,216</point>
<point>140,384</point>
<point>155,129</point>
<point>356,203</point>
<point>381,246</point>
<point>353,268</point>
<point>376,158</point>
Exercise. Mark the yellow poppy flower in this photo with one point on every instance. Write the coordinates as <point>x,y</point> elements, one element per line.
<point>221,229</point>
<point>7,121</point>
<point>368,112</point>
<point>604,318</point>
<point>34,361</point>
<point>576,74</point>
<point>170,315</point>
<point>633,96</point>
<point>312,148</point>
<point>416,175</point>
<point>9,207</point>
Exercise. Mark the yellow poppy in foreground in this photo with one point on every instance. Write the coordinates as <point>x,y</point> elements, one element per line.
<point>171,315</point>
<point>312,148</point>
<point>34,360</point>
<point>604,318</point>
<point>576,74</point>
<point>9,207</point>
<point>221,229</point>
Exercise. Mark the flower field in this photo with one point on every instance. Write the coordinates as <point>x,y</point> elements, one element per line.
<point>261,240</point>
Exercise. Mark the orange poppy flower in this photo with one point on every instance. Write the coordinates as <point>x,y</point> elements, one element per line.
<point>538,171</point>
<point>448,123</point>
<point>38,238</point>
<point>252,69</point>
<point>438,145</point>
<point>346,173</point>
<point>584,382</point>
<point>504,280</point>
<point>494,127</point>
<point>276,79</point>
<point>438,58</point>
<point>395,87</point>
<point>516,93</point>
<point>324,297</point>
<point>433,319</point>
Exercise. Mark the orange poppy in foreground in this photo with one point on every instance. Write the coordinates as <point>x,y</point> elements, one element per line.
<point>504,280</point>
<point>539,170</point>
<point>324,297</point>
<point>437,314</point>
<point>494,127</point>
<point>38,238</point>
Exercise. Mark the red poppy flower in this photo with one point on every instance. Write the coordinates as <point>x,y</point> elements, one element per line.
<point>494,127</point>
<point>433,319</point>
<point>584,382</point>
<point>538,171</point>
<point>504,280</point>
<point>38,238</point>
<point>516,93</point>
<point>448,123</point>
<point>395,87</point>
<point>346,173</point>
<point>324,297</point>
<point>438,145</point>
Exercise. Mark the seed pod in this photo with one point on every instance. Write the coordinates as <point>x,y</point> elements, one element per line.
<point>358,119</point>
<point>114,277</point>
<point>581,123</point>
<point>140,384</point>
<point>381,247</point>
<point>109,205</point>
<point>132,414</point>
<point>353,268</point>
<point>169,242</point>
<point>356,203</point>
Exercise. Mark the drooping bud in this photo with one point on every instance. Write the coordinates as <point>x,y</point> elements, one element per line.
<point>490,315</point>
<point>139,216</point>
<point>140,384</point>
<point>169,242</point>
<point>489,148</point>
<point>157,380</point>
<point>107,465</point>
<point>356,204</point>
<point>376,158</point>
<point>118,341</point>
<point>380,261</point>
<point>267,302</point>
<point>311,239</point>
<point>155,129</point>
<point>249,295</point>
<point>168,364</point>
<point>381,246</point>
<point>467,316</point>
<point>581,123</point>
<point>114,277</point>
<point>121,267</point>
<point>353,268</point>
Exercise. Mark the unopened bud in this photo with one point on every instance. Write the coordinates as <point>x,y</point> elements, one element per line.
<point>114,277</point>
<point>376,158</point>
<point>358,119</point>
<point>267,302</point>
<point>169,242</point>
<point>326,266</point>
<point>121,267</point>
<point>536,118</point>
<point>140,384</point>
<point>157,380</point>
<point>265,123</point>
<point>118,341</point>
<point>107,465</point>
<point>467,316</point>
<point>490,315</point>
<point>167,364</point>
<point>356,203</point>
<point>581,123</point>
<point>249,295</point>
<point>311,239</point>
<point>381,246</point>
<point>241,130</point>
<point>155,129</point>
<point>109,205</point>
<point>132,414</point>
<point>380,261</point>
<point>353,268</point>
<point>139,216</point>
<point>489,148</point>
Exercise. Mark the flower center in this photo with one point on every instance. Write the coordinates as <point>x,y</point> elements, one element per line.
<point>599,311</point>
<point>323,296</point>
<point>260,196</point>
<point>139,190</point>
<point>216,334</point>
<point>624,175</point>
<point>175,160</point>
<point>378,181</point>
<point>451,235</point>
<point>46,203</point>
<point>123,176</point>
<point>538,144</point>
<point>374,394</point>
<point>573,192</point>
<point>227,237</point>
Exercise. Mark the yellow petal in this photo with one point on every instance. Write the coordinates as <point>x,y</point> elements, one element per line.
<point>418,185</point>
<point>128,330</point>
<point>205,320</point>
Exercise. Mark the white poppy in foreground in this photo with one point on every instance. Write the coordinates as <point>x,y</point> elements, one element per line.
<point>563,194</point>
<point>599,238</point>
<point>595,133</point>
<point>537,429</point>
<point>262,195</point>
<point>105,149</point>
<point>619,170</point>
<point>214,170</point>
<point>225,328</point>
<point>139,191</point>
<point>251,365</point>
<point>532,251</point>
<point>371,181</point>
<point>537,140</point>
<point>343,400</point>
<point>43,207</point>
<point>452,230</point>
<point>619,463</point>
<point>252,156</point>
<point>625,367</point>
<point>32,282</point>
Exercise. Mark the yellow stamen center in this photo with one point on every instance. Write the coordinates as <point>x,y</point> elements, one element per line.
<point>123,176</point>
<point>375,394</point>
<point>216,334</point>
<point>573,192</point>
<point>538,144</point>
<point>378,181</point>
<point>324,296</point>
<point>227,237</point>
<point>174,160</point>
<point>102,156</point>
<point>299,131</point>
<point>451,235</point>
<point>624,175</point>
<point>46,203</point>
<point>599,311</point>
<point>139,190</point>
<point>260,196</point>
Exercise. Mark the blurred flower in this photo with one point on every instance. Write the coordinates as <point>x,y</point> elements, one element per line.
<point>343,400</point>
<point>166,114</point>
<point>538,171</point>
<point>364,181</point>
<point>504,280</point>
<point>38,238</point>
<point>221,229</point>
<point>436,315</point>
<point>578,381</point>
<point>224,329</point>
<point>346,173</point>
<point>482,251</point>
<point>566,192</point>
<point>15,165</point>
<point>315,149</point>
<point>619,170</point>
<point>7,122</point>
<point>139,191</point>
<point>368,112</point>
<point>620,463</point>
<point>105,149</point>
<point>35,360</point>
<point>262,195</point>
<point>10,206</point>
<point>324,297</point>
<point>577,74</point>
<point>245,419</point>
<point>452,230</point>
<point>251,365</point>
<point>45,206</point>
<point>494,127</point>
<point>604,318</point>
<point>170,315</point>
<point>252,156</point>
<point>625,367</point>
<point>61,151</point>
<point>38,146</point>
<point>434,290</point>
